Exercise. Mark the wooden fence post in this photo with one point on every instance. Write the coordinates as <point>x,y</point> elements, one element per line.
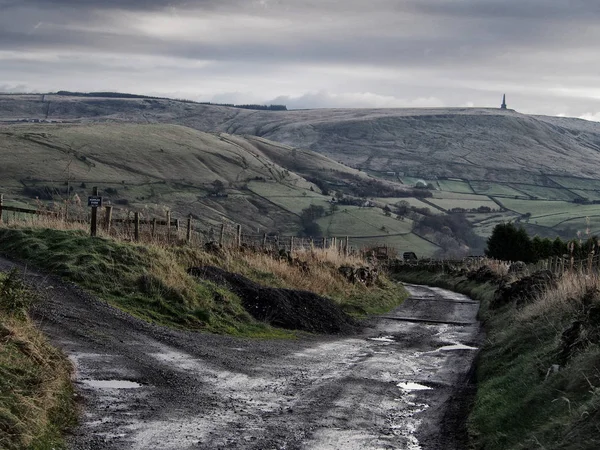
<point>264,242</point>
<point>188,235</point>
<point>291,244</point>
<point>346,249</point>
<point>324,243</point>
<point>1,205</point>
<point>136,226</point>
<point>239,236</point>
<point>222,235</point>
<point>94,221</point>
<point>168,219</point>
<point>153,227</point>
<point>107,218</point>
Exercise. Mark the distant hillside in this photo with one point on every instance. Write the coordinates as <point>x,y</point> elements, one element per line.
<point>216,177</point>
<point>491,165</point>
<point>478,143</point>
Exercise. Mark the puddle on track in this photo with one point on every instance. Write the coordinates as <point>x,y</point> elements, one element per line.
<point>111,384</point>
<point>409,386</point>
<point>383,339</point>
<point>455,347</point>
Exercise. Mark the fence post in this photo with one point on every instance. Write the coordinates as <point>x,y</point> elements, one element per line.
<point>346,247</point>
<point>1,204</point>
<point>94,221</point>
<point>222,235</point>
<point>136,226</point>
<point>239,236</point>
<point>107,218</point>
<point>324,243</point>
<point>188,235</point>
<point>153,227</point>
<point>291,244</point>
<point>264,242</point>
<point>168,218</point>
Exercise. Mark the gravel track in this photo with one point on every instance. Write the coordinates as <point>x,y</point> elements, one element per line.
<point>395,385</point>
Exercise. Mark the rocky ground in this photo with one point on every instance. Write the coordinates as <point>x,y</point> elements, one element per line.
<point>402,382</point>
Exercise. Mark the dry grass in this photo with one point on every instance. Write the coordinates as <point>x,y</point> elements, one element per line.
<point>314,270</point>
<point>170,260</point>
<point>37,397</point>
<point>498,267</point>
<point>564,300</point>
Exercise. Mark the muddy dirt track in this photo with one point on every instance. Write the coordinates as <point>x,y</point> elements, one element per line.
<point>398,384</point>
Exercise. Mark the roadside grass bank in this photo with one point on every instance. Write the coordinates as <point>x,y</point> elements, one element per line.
<point>151,281</point>
<point>36,395</point>
<point>538,373</point>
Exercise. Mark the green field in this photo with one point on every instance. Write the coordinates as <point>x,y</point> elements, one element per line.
<point>495,189</point>
<point>402,243</point>
<point>355,221</point>
<point>590,195</point>
<point>577,183</point>
<point>546,193</point>
<point>454,186</point>
<point>392,201</point>
<point>542,207</point>
<point>449,203</point>
<point>290,198</point>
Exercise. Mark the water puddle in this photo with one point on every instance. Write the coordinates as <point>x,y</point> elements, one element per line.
<point>111,384</point>
<point>409,386</point>
<point>383,339</point>
<point>447,348</point>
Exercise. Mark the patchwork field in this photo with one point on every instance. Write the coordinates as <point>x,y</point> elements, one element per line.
<point>495,189</point>
<point>448,204</point>
<point>164,154</point>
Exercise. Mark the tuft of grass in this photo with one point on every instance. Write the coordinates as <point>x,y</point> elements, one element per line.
<point>564,301</point>
<point>36,395</point>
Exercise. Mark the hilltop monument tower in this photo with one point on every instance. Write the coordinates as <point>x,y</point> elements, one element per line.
<point>503,105</point>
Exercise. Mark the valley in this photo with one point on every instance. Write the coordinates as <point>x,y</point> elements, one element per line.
<point>150,155</point>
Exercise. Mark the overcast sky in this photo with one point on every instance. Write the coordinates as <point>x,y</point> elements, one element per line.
<point>544,54</point>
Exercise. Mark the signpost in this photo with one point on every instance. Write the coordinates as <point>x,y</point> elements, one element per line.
<point>95,202</point>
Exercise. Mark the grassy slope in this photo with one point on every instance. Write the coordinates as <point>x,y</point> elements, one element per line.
<point>152,283</point>
<point>36,396</point>
<point>517,405</point>
<point>157,167</point>
<point>468,144</point>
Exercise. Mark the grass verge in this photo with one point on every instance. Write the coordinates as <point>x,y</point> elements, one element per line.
<point>151,281</point>
<point>36,395</point>
<point>522,401</point>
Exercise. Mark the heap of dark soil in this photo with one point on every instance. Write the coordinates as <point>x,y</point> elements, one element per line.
<point>283,308</point>
<point>523,291</point>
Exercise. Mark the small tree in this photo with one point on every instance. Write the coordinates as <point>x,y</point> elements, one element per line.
<point>218,187</point>
<point>509,243</point>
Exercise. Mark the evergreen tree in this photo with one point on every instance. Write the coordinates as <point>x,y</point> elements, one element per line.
<point>509,243</point>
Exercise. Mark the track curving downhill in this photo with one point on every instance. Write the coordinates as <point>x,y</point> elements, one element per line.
<point>401,383</point>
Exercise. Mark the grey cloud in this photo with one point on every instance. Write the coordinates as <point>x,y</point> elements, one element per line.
<point>509,9</point>
<point>136,5</point>
<point>468,46</point>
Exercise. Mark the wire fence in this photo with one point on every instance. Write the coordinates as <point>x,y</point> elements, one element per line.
<point>137,227</point>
